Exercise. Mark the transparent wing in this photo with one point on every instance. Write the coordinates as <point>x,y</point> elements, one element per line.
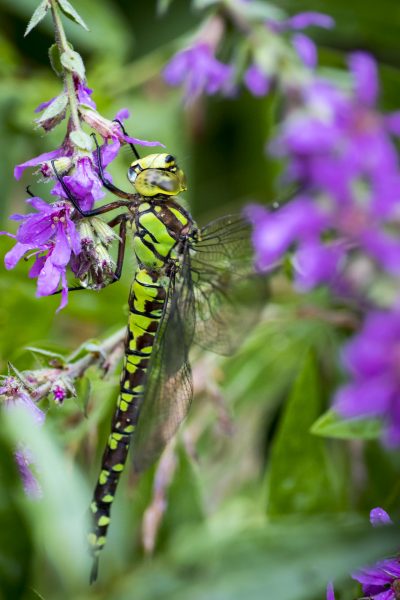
<point>228,295</point>
<point>213,299</point>
<point>168,388</point>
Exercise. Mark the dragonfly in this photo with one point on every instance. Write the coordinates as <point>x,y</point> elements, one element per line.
<point>191,284</point>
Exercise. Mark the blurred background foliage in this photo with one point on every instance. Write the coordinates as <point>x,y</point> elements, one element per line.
<point>259,507</point>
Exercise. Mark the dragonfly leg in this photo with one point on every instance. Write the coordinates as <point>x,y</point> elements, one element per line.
<point>87,213</point>
<point>121,219</point>
<point>107,184</point>
<point>135,152</point>
<point>28,191</point>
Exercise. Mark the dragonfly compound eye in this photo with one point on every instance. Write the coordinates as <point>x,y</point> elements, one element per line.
<point>132,174</point>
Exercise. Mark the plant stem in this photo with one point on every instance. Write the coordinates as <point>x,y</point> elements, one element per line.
<point>63,46</point>
<point>101,357</point>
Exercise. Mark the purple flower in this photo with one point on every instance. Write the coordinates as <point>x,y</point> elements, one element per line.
<point>37,160</point>
<point>381,581</point>
<point>111,130</point>
<point>306,49</point>
<point>340,147</point>
<point>298,225</point>
<point>372,358</point>
<point>52,232</point>
<point>83,93</point>
<point>378,516</point>
<point>330,594</point>
<point>83,183</point>
<point>304,20</point>
<point>199,71</point>
<point>59,393</point>
<point>256,81</point>
<point>54,112</point>
<point>24,460</point>
<point>16,395</point>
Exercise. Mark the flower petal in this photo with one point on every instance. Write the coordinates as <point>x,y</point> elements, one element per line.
<point>306,49</point>
<point>364,69</point>
<point>37,160</point>
<point>378,516</point>
<point>310,19</point>
<point>48,279</point>
<point>330,594</point>
<point>256,81</point>
<point>15,254</point>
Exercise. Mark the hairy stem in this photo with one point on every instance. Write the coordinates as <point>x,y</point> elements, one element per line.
<point>63,46</point>
<point>73,371</point>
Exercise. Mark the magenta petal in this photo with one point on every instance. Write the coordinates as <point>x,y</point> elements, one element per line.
<point>366,398</point>
<point>132,140</point>
<point>48,279</point>
<point>31,486</point>
<point>330,594</point>
<point>122,114</point>
<point>33,162</point>
<point>15,254</point>
<point>37,266</point>
<point>64,292</point>
<point>306,49</point>
<point>62,251</point>
<point>309,19</point>
<point>40,205</point>
<point>364,69</point>
<point>36,230</point>
<point>392,121</point>
<point>378,516</point>
<point>32,408</point>
<point>44,105</point>
<point>256,81</point>
<point>73,237</point>
<point>109,151</point>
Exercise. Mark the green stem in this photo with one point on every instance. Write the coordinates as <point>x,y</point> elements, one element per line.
<point>63,46</point>
<point>105,356</point>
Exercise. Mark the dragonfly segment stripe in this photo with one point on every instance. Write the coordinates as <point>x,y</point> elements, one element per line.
<point>140,339</point>
<point>163,225</point>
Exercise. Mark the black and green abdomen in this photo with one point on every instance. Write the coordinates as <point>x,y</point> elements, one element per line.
<point>159,227</point>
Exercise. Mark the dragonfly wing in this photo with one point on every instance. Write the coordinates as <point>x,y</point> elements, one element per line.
<point>168,388</point>
<point>229,296</point>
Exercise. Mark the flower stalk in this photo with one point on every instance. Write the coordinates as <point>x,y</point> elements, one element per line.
<point>64,48</point>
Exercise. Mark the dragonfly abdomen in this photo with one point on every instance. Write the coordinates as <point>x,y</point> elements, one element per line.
<point>146,304</point>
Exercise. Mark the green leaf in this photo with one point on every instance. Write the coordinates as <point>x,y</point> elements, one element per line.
<point>185,503</point>
<point>60,516</point>
<point>55,61</point>
<point>163,6</point>
<point>73,62</point>
<point>81,140</point>
<point>48,354</point>
<point>37,16</point>
<point>54,110</point>
<point>83,389</point>
<point>330,424</point>
<point>299,478</point>
<point>15,540</point>
<point>70,12</point>
<point>258,10</point>
<point>290,561</point>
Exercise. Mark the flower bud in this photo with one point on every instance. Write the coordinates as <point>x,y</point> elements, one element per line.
<point>94,266</point>
<point>62,165</point>
<point>106,128</point>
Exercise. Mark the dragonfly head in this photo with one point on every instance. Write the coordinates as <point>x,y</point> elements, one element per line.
<point>157,174</point>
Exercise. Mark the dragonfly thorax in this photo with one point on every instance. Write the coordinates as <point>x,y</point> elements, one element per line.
<point>159,229</point>
<point>157,175</point>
